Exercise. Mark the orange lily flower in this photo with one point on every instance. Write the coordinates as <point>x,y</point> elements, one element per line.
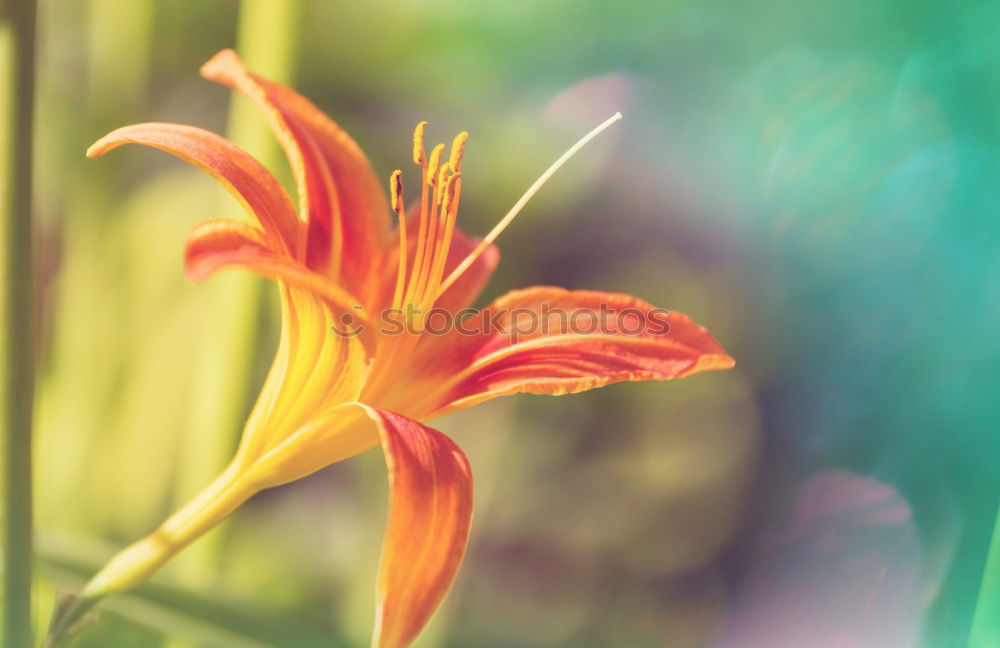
<point>358,365</point>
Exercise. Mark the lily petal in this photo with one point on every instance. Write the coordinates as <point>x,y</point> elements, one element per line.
<point>211,244</point>
<point>250,183</point>
<point>430,513</point>
<point>430,505</point>
<point>290,432</point>
<point>555,341</point>
<point>340,196</point>
<point>220,243</point>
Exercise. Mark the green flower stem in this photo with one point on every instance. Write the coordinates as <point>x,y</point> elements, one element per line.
<point>137,562</point>
<point>986,622</point>
<point>18,362</point>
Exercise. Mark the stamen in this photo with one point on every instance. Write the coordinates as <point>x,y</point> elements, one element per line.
<point>424,220</point>
<point>457,150</point>
<point>449,213</point>
<point>519,205</point>
<point>396,190</point>
<point>434,164</point>
<point>442,180</point>
<point>430,249</point>
<point>418,144</point>
<point>450,193</point>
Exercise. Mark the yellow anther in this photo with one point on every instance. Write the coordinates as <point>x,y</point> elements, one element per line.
<point>434,164</point>
<point>457,150</point>
<point>396,191</point>
<point>442,179</point>
<point>418,144</point>
<point>450,192</point>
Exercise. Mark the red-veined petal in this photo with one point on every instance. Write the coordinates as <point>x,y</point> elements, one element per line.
<point>339,194</point>
<point>221,243</point>
<point>553,341</point>
<point>430,513</point>
<point>253,186</point>
<point>430,505</point>
<point>214,243</point>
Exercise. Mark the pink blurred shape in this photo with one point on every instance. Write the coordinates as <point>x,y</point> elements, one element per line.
<point>841,570</point>
<point>591,100</point>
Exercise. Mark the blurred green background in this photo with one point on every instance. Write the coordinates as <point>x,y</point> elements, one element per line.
<point>816,182</point>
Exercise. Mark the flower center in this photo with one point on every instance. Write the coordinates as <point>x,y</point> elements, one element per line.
<point>420,281</point>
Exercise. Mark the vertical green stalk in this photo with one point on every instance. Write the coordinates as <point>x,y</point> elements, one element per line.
<point>986,622</point>
<point>77,430</point>
<point>266,37</point>
<point>18,372</point>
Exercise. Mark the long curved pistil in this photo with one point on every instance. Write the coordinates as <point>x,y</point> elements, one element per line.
<point>519,205</point>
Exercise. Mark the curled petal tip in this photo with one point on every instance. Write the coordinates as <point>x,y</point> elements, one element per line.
<point>120,136</point>
<point>720,362</point>
<point>216,66</point>
<point>103,145</point>
<point>712,362</point>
